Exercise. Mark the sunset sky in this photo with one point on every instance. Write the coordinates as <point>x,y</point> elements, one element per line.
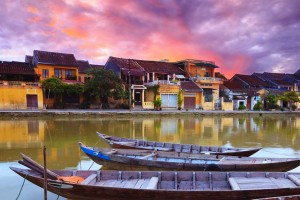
<point>240,36</point>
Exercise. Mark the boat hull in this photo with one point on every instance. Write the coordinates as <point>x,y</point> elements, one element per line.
<point>88,192</point>
<point>127,163</point>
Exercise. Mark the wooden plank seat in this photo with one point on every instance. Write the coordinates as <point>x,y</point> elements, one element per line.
<point>244,183</point>
<point>91,179</point>
<point>152,185</point>
<point>148,184</point>
<point>126,143</point>
<point>295,179</point>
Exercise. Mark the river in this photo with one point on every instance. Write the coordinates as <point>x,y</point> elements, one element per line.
<point>278,135</point>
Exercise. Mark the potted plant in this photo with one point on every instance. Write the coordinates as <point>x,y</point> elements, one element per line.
<point>179,100</point>
<point>157,104</point>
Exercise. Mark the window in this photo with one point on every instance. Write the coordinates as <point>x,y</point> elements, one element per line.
<point>207,74</point>
<point>58,73</point>
<point>45,73</point>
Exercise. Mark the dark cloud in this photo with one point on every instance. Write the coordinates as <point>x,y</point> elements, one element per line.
<point>240,36</point>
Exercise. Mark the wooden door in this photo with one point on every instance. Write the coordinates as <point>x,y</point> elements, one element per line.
<point>32,101</point>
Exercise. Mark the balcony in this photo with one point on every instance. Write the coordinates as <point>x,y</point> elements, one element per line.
<point>162,82</point>
<point>19,84</point>
<point>202,79</point>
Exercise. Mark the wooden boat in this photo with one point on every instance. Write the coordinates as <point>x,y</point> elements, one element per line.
<point>156,185</point>
<point>126,143</point>
<point>135,159</point>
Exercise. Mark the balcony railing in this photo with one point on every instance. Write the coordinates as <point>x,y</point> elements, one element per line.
<point>162,82</point>
<point>19,84</point>
<point>201,78</point>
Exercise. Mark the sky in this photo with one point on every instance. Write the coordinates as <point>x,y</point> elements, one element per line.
<point>240,36</point>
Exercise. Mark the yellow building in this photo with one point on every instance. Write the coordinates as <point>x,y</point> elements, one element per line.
<point>203,73</point>
<point>19,88</point>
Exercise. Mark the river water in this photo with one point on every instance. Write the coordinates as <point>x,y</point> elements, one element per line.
<point>278,135</point>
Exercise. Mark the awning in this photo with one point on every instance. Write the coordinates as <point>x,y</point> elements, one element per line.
<point>179,76</point>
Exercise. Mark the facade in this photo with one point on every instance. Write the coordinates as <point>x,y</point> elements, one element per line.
<point>84,66</point>
<point>203,74</point>
<point>18,86</point>
<point>249,89</point>
<point>144,76</point>
<point>51,64</point>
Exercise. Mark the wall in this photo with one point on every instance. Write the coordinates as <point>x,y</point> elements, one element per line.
<point>14,97</point>
<point>40,67</point>
<point>227,105</point>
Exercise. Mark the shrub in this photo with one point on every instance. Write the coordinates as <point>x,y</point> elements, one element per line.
<point>257,106</point>
<point>242,107</point>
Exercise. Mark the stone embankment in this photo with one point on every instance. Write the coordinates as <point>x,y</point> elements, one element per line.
<point>8,114</point>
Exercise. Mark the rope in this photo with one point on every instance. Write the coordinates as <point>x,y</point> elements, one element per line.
<point>58,193</point>
<point>91,165</point>
<point>275,152</point>
<point>21,187</point>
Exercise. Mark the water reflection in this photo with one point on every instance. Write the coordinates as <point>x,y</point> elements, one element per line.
<point>280,137</point>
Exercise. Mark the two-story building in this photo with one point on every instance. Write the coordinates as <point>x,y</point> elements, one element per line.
<point>195,79</point>
<point>19,88</point>
<point>203,73</point>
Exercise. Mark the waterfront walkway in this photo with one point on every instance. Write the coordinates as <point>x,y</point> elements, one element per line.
<point>113,112</point>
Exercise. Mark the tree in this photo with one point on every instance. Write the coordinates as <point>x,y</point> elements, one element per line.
<point>58,89</point>
<point>292,97</point>
<point>271,101</point>
<point>257,106</point>
<point>102,85</point>
<point>55,86</point>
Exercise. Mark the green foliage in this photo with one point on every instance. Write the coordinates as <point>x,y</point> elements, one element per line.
<point>293,107</point>
<point>242,107</point>
<point>257,106</point>
<point>58,88</point>
<point>157,103</point>
<point>102,85</point>
<point>292,97</point>
<point>271,100</point>
<point>154,89</point>
<point>179,99</point>
<point>84,105</point>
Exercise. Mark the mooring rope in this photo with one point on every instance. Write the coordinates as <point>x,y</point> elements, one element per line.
<point>91,165</point>
<point>274,152</point>
<point>21,187</point>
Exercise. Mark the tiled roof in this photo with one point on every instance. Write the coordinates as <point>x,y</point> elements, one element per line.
<point>127,65</point>
<point>20,68</point>
<point>234,84</point>
<point>96,66</point>
<point>28,59</point>
<point>252,80</point>
<point>160,67</point>
<point>140,67</point>
<point>83,65</point>
<point>53,58</point>
<point>190,86</point>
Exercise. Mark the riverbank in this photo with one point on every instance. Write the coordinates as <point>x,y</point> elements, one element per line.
<point>8,114</point>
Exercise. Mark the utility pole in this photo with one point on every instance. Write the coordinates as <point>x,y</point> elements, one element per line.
<point>129,88</point>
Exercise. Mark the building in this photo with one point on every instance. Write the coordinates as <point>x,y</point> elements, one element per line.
<point>19,88</point>
<point>203,74</point>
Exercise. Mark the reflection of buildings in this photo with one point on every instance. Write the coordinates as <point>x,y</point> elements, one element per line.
<point>19,134</point>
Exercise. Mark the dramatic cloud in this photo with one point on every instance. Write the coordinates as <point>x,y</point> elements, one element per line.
<point>239,36</point>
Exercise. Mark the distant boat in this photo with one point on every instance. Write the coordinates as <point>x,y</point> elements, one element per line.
<point>127,143</point>
<point>157,185</point>
<point>137,159</point>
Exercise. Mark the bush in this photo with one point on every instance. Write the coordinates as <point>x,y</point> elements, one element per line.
<point>84,105</point>
<point>122,106</point>
<point>242,107</point>
<point>257,106</point>
<point>293,107</point>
